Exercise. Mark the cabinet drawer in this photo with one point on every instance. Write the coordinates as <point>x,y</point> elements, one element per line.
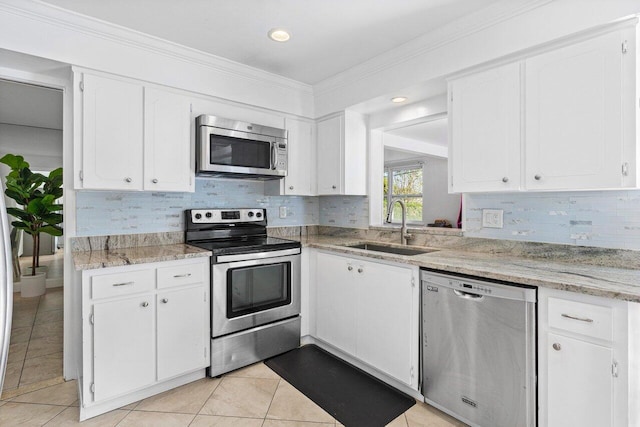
<point>586,319</point>
<point>180,275</point>
<point>111,285</point>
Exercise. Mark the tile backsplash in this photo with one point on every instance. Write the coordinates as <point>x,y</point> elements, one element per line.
<point>609,219</point>
<point>127,212</point>
<point>110,212</point>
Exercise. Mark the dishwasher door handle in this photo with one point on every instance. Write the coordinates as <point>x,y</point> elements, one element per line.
<point>467,295</point>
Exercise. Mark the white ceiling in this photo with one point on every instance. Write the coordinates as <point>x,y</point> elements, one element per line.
<point>434,132</point>
<point>27,105</point>
<point>328,36</point>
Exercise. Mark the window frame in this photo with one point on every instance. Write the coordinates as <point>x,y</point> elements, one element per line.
<point>389,168</point>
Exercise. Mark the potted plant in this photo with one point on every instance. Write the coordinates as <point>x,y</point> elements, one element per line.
<point>37,211</point>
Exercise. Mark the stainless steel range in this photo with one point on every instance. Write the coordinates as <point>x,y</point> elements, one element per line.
<point>255,286</point>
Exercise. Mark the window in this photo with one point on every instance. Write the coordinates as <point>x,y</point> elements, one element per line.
<point>403,182</point>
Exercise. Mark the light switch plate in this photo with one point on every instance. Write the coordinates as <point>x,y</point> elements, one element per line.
<point>283,211</point>
<point>492,218</point>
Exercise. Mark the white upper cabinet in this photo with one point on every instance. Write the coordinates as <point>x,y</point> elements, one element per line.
<point>342,155</point>
<point>561,118</point>
<point>111,134</point>
<point>133,137</point>
<point>168,158</point>
<point>573,114</point>
<point>301,170</point>
<point>484,153</point>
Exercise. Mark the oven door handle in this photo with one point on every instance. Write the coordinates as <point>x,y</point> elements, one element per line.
<point>257,255</point>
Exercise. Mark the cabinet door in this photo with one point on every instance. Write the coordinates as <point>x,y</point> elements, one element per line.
<point>111,134</point>
<point>181,331</point>
<point>485,131</point>
<point>123,346</point>
<point>168,158</point>
<point>573,113</point>
<point>580,384</point>
<point>336,297</point>
<point>330,155</point>
<point>387,333</point>
<point>301,162</point>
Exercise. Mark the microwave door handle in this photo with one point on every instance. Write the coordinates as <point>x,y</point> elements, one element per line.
<point>274,155</point>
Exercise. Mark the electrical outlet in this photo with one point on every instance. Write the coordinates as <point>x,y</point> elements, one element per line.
<point>283,211</point>
<point>492,218</point>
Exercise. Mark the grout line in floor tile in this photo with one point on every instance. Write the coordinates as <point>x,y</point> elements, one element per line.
<point>209,397</point>
<point>271,402</point>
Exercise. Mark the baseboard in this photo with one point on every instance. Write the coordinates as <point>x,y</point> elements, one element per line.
<point>57,282</point>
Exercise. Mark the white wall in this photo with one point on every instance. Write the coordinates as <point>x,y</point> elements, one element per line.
<point>42,148</point>
<point>437,202</point>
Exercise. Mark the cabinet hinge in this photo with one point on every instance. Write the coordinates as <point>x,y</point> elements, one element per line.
<point>411,372</point>
<point>81,175</point>
<point>614,370</point>
<point>191,108</point>
<point>81,86</point>
<point>91,319</point>
<point>205,296</point>
<point>625,169</point>
<point>625,46</point>
<point>451,96</point>
<point>413,282</point>
<point>92,387</point>
<point>205,352</point>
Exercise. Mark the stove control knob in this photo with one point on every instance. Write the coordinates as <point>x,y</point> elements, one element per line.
<point>198,216</point>
<point>250,214</point>
<point>208,215</point>
<point>258,214</point>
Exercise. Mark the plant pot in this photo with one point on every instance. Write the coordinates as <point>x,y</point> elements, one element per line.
<point>33,286</point>
<point>42,269</point>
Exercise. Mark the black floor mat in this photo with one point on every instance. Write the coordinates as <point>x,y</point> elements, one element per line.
<point>350,395</point>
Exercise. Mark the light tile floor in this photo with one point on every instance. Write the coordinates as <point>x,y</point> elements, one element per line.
<point>253,397</point>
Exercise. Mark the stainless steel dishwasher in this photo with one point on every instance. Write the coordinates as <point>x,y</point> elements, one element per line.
<point>479,350</point>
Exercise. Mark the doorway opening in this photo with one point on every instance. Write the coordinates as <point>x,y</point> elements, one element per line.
<point>31,122</point>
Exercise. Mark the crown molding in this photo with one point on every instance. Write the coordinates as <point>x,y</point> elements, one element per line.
<point>62,18</point>
<point>456,30</point>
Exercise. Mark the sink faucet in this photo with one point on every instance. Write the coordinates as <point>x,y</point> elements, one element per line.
<point>403,230</point>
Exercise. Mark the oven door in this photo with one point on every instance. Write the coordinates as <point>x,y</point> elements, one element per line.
<point>232,151</point>
<point>254,292</point>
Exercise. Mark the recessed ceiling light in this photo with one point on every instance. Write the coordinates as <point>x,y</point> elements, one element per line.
<point>398,99</point>
<point>279,35</point>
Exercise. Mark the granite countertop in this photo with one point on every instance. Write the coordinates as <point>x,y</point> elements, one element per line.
<point>609,282</point>
<point>88,260</point>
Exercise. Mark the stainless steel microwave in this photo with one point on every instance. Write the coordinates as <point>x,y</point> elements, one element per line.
<point>237,149</point>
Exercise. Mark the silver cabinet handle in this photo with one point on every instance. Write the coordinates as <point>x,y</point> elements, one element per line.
<point>127,179</point>
<point>154,180</point>
<point>291,187</point>
<point>360,270</point>
<point>581,319</point>
<point>467,295</point>
<point>557,347</point>
<point>350,268</point>
<point>334,187</point>
<point>182,275</point>
<point>165,300</point>
<point>123,284</point>
<point>145,304</point>
<point>505,179</point>
<point>538,177</point>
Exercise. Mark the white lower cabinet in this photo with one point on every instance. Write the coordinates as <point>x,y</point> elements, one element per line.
<point>586,352</point>
<point>369,310</point>
<point>145,329</point>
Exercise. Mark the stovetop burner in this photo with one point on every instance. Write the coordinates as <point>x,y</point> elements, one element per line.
<point>232,231</point>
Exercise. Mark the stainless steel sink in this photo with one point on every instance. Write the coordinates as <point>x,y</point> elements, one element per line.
<point>391,249</point>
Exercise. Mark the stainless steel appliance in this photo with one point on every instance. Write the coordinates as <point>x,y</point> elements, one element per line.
<point>255,286</point>
<point>6,288</point>
<point>238,149</point>
<point>479,350</point>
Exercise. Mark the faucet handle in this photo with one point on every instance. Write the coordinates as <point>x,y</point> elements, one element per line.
<point>408,236</point>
